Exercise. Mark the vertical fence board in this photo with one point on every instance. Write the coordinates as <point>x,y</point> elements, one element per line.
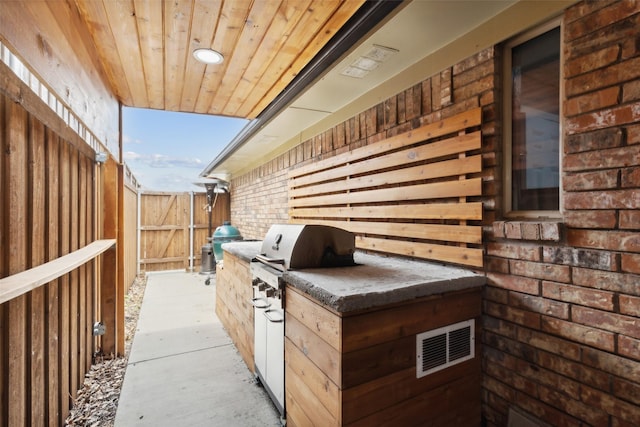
<point>64,362</point>
<point>37,355</point>
<point>4,367</point>
<point>185,220</point>
<point>88,318</point>
<point>99,212</point>
<point>16,166</point>
<point>74,275</point>
<point>90,272</point>
<point>52,185</point>
<point>130,227</point>
<point>82,283</point>
<point>119,283</point>
<point>109,288</point>
<point>64,226</point>
<point>37,306</point>
<point>54,413</point>
<point>200,227</point>
<point>17,350</point>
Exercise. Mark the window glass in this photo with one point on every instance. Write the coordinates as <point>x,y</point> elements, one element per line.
<point>535,116</point>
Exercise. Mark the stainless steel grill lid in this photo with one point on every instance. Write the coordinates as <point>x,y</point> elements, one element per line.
<point>293,246</point>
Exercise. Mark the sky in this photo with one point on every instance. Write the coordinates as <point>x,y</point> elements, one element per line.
<point>167,151</point>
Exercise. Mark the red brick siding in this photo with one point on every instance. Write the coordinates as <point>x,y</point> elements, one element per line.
<point>259,198</point>
<point>564,313</point>
<point>561,323</point>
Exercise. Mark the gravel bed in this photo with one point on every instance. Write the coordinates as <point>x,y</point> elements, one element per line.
<point>97,401</point>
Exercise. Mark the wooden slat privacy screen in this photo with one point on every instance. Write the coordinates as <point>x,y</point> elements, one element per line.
<point>404,195</point>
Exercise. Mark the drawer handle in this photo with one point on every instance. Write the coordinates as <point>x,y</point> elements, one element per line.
<point>278,318</point>
<point>260,303</point>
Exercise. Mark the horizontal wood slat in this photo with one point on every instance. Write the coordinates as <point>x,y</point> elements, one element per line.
<point>437,190</point>
<point>447,233</point>
<point>427,132</point>
<point>402,158</point>
<point>406,195</point>
<point>467,211</point>
<point>445,253</point>
<point>21,283</point>
<point>410,174</point>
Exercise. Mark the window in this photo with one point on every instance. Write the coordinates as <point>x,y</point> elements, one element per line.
<point>532,123</point>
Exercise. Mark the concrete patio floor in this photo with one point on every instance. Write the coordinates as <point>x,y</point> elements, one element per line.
<point>183,369</point>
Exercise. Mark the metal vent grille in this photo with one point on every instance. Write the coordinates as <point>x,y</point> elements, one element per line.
<point>443,347</point>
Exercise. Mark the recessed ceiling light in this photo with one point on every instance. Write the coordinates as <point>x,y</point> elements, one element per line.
<point>208,56</point>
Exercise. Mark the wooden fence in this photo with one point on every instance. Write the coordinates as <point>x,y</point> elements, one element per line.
<point>61,214</point>
<point>174,227</point>
<point>130,225</point>
<point>49,259</point>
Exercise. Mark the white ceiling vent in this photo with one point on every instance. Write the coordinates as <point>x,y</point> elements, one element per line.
<point>443,347</point>
<point>368,62</point>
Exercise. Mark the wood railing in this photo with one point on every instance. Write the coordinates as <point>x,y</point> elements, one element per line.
<point>46,342</point>
<point>408,194</point>
<point>23,282</point>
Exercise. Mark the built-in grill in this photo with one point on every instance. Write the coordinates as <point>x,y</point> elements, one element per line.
<point>285,247</point>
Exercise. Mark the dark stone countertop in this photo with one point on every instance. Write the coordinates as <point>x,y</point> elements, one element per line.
<point>375,281</point>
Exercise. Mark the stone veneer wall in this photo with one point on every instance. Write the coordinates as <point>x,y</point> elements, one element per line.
<point>561,336</point>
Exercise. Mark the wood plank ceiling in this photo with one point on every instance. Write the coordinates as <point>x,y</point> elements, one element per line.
<point>145,48</point>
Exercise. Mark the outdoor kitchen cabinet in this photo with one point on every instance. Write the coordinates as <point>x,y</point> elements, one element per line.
<point>351,340</point>
<point>359,368</point>
<point>233,296</point>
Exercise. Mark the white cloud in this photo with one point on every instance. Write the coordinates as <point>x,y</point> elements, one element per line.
<point>131,155</point>
<point>161,161</point>
<point>126,139</point>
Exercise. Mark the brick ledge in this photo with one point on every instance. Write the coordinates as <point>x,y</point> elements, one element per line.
<point>540,230</point>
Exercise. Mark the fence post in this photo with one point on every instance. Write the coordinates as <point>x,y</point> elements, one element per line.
<point>191,217</point>
<point>111,279</point>
<point>138,231</point>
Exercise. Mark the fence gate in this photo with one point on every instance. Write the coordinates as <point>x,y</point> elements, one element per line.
<point>174,226</point>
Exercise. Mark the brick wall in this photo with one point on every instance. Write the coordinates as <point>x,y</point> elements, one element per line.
<point>561,334</point>
<point>259,198</point>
